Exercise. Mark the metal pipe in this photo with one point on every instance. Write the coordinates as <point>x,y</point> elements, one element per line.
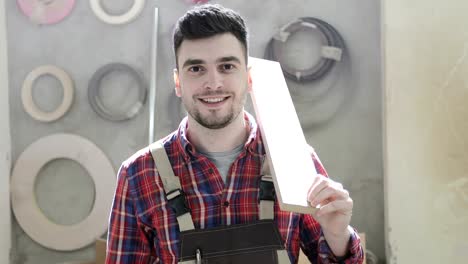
<point>152,93</point>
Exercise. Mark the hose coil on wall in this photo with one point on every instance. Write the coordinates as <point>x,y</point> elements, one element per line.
<point>331,52</point>
<point>97,104</point>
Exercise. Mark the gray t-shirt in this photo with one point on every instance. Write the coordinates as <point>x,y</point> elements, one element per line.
<point>224,160</point>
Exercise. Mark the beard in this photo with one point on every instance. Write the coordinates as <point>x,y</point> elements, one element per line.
<point>213,122</point>
<point>215,119</point>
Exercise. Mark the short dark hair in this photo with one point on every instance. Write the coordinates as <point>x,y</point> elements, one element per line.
<point>208,20</point>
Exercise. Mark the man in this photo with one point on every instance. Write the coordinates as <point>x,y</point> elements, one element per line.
<point>217,154</point>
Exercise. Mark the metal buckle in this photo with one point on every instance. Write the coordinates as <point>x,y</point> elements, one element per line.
<point>199,257</point>
<point>267,191</point>
<point>177,202</point>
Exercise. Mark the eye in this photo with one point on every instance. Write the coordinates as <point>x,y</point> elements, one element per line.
<point>195,69</point>
<point>227,67</point>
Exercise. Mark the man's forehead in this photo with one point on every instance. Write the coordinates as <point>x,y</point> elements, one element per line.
<point>211,49</point>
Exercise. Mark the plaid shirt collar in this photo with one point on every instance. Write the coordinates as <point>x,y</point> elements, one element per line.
<point>253,144</point>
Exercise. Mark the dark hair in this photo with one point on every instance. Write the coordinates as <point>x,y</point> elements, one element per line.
<point>206,21</point>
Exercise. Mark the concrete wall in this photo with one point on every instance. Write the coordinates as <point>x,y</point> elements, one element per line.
<point>426,49</point>
<point>344,125</point>
<point>5,145</point>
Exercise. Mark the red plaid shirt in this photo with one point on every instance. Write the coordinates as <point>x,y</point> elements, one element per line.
<point>143,228</point>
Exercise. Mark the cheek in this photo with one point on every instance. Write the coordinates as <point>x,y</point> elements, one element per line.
<point>186,92</point>
<point>242,85</point>
<point>190,84</point>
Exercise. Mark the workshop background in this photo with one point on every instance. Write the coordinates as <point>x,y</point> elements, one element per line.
<point>341,113</point>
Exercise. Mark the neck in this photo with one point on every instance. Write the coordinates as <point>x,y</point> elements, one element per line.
<point>217,140</point>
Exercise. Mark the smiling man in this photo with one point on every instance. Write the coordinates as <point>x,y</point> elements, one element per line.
<point>199,195</point>
<point>213,82</point>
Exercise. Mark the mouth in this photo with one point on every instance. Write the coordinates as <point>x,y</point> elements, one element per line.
<point>214,101</point>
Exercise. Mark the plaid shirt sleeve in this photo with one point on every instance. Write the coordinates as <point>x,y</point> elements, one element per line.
<point>313,241</point>
<point>125,241</point>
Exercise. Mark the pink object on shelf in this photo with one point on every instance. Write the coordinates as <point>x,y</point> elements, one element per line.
<point>197,1</point>
<point>46,11</point>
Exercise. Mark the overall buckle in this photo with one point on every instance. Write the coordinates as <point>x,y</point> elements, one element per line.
<point>177,202</point>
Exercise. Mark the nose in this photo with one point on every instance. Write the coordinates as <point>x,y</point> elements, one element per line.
<point>214,80</point>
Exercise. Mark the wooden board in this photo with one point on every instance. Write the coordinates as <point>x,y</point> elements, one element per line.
<point>291,165</point>
<point>100,248</point>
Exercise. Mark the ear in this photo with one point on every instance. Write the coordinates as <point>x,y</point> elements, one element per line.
<point>177,83</point>
<point>249,79</point>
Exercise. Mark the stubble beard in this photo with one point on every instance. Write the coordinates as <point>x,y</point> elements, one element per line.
<point>214,121</point>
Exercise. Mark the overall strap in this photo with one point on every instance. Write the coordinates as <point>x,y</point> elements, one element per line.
<point>267,193</point>
<point>267,205</point>
<point>174,194</point>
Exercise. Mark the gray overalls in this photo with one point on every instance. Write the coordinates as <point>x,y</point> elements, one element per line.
<point>258,242</point>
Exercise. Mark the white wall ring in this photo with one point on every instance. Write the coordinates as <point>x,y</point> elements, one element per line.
<point>28,101</point>
<point>128,16</point>
<point>46,12</point>
<point>24,204</point>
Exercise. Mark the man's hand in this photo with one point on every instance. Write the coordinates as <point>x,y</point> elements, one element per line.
<point>334,211</point>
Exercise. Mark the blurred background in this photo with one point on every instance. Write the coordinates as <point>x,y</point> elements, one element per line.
<point>379,88</point>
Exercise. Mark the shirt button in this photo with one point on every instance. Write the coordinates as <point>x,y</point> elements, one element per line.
<point>226,204</point>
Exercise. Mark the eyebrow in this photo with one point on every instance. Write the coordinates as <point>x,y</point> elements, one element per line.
<point>190,62</point>
<point>228,59</point>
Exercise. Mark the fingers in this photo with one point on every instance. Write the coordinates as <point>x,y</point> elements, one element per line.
<point>325,195</point>
<point>318,185</point>
<point>342,206</point>
<point>324,190</point>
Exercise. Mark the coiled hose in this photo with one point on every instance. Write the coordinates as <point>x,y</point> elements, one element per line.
<point>331,51</point>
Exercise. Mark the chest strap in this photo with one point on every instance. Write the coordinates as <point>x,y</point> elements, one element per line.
<point>174,194</point>
<point>267,193</point>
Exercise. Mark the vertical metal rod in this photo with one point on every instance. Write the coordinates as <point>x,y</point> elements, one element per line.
<point>154,64</point>
<point>199,257</point>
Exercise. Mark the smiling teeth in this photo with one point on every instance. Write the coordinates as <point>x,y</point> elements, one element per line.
<point>213,100</point>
